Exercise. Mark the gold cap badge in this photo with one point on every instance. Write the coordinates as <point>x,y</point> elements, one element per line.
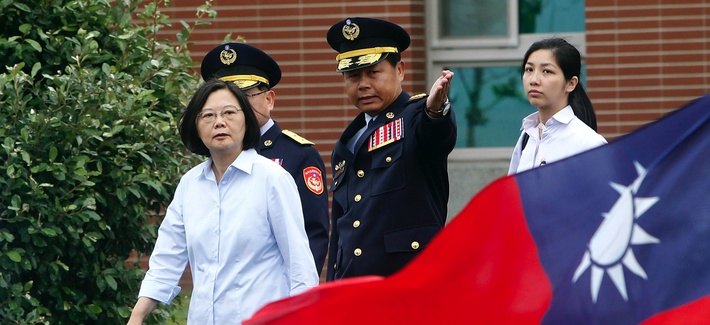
<point>228,56</point>
<point>351,30</point>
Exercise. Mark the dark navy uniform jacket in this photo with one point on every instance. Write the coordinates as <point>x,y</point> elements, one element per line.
<point>390,198</point>
<point>305,164</point>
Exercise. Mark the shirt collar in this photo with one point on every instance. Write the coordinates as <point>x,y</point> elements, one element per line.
<point>244,162</point>
<point>266,126</point>
<point>564,116</point>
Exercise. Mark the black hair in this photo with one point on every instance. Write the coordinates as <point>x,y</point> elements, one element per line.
<point>570,61</point>
<point>394,58</point>
<point>188,124</point>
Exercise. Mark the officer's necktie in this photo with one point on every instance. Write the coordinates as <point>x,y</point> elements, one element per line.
<point>358,134</point>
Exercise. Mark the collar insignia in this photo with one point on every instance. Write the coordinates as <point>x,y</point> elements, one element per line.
<point>339,169</point>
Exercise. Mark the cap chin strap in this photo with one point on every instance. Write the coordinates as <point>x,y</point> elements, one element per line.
<point>371,50</point>
<point>245,80</point>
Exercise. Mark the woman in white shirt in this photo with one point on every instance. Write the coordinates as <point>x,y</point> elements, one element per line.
<point>565,123</point>
<point>235,217</point>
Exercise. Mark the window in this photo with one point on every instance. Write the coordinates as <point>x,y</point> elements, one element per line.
<point>484,99</point>
<point>487,93</point>
<point>490,103</point>
<point>482,23</point>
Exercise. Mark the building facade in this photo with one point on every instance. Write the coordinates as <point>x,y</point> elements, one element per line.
<point>642,59</point>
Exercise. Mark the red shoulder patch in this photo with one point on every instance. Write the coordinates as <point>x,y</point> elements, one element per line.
<point>314,179</point>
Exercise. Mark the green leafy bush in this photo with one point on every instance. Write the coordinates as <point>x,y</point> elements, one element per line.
<point>90,153</point>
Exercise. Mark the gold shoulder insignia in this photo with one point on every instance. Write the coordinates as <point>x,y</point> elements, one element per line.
<point>422,95</point>
<point>296,137</point>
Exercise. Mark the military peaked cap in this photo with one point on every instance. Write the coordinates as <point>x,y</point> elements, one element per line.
<point>363,42</point>
<point>243,64</point>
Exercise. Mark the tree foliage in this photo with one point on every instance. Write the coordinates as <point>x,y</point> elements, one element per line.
<point>90,100</point>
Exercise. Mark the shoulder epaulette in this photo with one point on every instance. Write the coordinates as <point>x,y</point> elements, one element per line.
<point>417,96</point>
<point>296,137</point>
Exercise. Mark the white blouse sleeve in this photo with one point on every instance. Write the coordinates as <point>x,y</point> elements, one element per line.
<point>286,218</point>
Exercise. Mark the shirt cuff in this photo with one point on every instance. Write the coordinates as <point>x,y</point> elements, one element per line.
<point>162,292</point>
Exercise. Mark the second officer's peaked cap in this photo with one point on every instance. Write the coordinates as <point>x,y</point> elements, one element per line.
<point>363,42</point>
<point>243,64</point>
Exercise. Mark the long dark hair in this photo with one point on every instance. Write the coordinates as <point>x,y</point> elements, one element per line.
<point>570,61</point>
<point>188,126</point>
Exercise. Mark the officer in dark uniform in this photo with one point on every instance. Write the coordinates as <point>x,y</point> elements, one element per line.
<point>390,182</point>
<point>256,73</point>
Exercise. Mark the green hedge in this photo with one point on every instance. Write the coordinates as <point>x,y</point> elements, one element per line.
<point>90,100</point>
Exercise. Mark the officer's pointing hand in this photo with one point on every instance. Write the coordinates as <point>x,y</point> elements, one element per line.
<point>440,89</point>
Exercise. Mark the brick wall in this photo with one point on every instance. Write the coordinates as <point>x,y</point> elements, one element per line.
<point>310,98</point>
<point>645,58</point>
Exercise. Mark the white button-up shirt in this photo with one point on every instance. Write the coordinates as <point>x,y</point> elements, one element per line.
<point>563,135</point>
<point>245,241</point>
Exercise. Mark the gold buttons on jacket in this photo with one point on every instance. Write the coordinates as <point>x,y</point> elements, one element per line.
<point>358,198</point>
<point>388,159</point>
<point>415,245</point>
<point>361,173</point>
<point>357,252</point>
<point>268,143</point>
<point>356,223</point>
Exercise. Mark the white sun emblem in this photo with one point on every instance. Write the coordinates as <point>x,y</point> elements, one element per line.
<point>610,246</point>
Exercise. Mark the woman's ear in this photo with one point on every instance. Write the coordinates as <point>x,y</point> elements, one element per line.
<point>571,84</point>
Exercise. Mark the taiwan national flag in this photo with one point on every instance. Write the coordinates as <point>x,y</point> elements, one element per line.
<point>617,235</point>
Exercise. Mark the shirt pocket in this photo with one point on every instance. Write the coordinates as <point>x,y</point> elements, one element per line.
<point>388,169</point>
<point>410,239</point>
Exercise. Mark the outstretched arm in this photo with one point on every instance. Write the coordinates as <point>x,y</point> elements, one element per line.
<point>439,91</point>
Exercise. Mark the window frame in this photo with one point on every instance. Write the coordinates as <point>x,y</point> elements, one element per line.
<point>440,59</point>
<point>436,42</point>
